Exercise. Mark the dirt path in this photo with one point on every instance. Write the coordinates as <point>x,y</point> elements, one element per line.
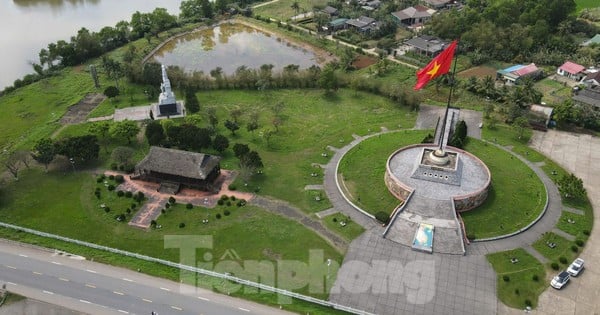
<point>77,114</point>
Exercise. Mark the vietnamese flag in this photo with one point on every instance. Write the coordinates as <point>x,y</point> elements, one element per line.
<point>436,67</point>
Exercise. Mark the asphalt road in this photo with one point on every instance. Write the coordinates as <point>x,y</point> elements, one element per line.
<point>95,288</point>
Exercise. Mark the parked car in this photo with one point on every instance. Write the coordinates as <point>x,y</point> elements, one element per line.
<point>575,267</point>
<point>560,280</point>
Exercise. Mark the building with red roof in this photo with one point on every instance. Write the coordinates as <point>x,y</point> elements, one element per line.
<point>571,70</point>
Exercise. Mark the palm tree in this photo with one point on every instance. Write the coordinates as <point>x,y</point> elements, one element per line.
<point>296,7</point>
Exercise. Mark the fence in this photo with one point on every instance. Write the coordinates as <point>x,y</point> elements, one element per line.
<point>190,268</point>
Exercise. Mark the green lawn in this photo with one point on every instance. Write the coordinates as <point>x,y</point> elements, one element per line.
<point>586,4</point>
<point>515,199</point>
<point>574,224</point>
<point>282,10</point>
<point>343,226</point>
<point>554,92</point>
<point>521,287</point>
<point>562,249</point>
<point>362,169</point>
<point>70,209</point>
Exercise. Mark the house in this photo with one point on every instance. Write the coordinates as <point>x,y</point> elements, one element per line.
<point>363,24</point>
<point>592,78</point>
<point>375,4</point>
<point>540,116</point>
<point>426,45</point>
<point>437,4</point>
<point>571,70</point>
<point>516,73</point>
<point>593,40</point>
<point>413,16</point>
<point>335,25</point>
<point>331,11</point>
<point>589,96</point>
<point>174,168</point>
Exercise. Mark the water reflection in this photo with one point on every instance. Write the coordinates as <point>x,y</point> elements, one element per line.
<point>230,46</point>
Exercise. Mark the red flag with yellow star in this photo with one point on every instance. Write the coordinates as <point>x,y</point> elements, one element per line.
<point>438,66</point>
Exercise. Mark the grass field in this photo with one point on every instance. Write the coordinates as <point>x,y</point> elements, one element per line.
<point>516,198</point>
<point>349,229</point>
<point>586,4</point>
<point>363,167</point>
<point>562,249</point>
<point>282,10</point>
<point>521,288</point>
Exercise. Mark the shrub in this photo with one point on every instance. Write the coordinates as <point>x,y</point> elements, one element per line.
<point>218,216</point>
<point>554,266</point>
<point>517,291</point>
<point>232,198</point>
<point>535,278</point>
<point>579,243</point>
<point>113,166</point>
<point>121,167</point>
<point>140,195</point>
<point>172,200</point>
<point>97,193</point>
<point>241,203</point>
<point>224,197</point>
<point>334,219</point>
<point>220,202</point>
<point>189,206</point>
<point>128,194</point>
<point>586,232</point>
<point>128,211</point>
<point>167,205</point>
<point>153,223</point>
<point>99,180</point>
<point>111,177</point>
<point>163,211</point>
<point>106,209</point>
<point>470,236</point>
<point>226,212</point>
<point>133,205</point>
<point>232,187</point>
<point>382,217</point>
<point>119,179</point>
<point>181,225</point>
<point>120,193</point>
<point>228,203</point>
<point>574,248</point>
<point>506,278</point>
<point>111,187</point>
<point>562,259</point>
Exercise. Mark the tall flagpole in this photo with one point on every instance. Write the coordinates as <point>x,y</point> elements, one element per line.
<point>452,83</point>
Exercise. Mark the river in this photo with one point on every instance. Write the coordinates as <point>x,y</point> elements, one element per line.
<point>26,26</point>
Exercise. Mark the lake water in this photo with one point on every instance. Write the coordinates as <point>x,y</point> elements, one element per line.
<point>26,26</point>
<point>230,46</point>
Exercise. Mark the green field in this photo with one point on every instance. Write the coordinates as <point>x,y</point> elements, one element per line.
<point>282,9</point>
<point>343,225</point>
<point>521,286</point>
<point>586,4</point>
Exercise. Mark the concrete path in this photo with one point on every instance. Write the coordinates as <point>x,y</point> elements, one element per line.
<point>325,213</point>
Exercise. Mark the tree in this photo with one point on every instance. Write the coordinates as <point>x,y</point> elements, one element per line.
<point>111,92</point>
<point>122,155</point>
<point>191,101</point>
<point>240,149</point>
<point>211,112</point>
<point>192,137</point>
<point>571,187</point>
<point>220,143</point>
<point>251,159</point>
<point>235,114</point>
<point>125,129</point>
<point>13,164</point>
<point>460,135</point>
<point>520,124</point>
<point>251,126</point>
<point>232,126</point>
<point>155,133</point>
<point>296,7</point>
<point>328,80</point>
<point>23,156</point>
<point>79,148</point>
<point>100,129</point>
<point>44,152</point>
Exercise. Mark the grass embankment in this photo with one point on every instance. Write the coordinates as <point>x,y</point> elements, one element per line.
<point>518,284</point>
<point>362,169</point>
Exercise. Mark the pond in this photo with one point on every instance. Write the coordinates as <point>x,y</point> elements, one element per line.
<point>230,46</point>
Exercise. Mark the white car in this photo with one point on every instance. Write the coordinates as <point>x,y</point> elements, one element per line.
<point>575,267</point>
<point>560,280</point>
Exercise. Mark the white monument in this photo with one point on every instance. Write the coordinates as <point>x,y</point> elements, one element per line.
<point>167,104</point>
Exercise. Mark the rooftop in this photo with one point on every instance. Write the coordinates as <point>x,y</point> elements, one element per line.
<point>572,67</point>
<point>178,162</point>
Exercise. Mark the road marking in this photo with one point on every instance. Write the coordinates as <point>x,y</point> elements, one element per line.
<point>11,267</point>
<point>122,311</point>
<point>47,292</point>
<point>176,308</point>
<point>92,271</point>
<point>56,263</point>
<point>146,300</point>
<point>23,255</point>
<point>203,298</point>
<point>119,293</point>
<point>63,279</point>
<point>128,280</point>
<point>84,301</point>
<point>11,283</point>
<point>243,309</point>
<point>38,273</point>
<point>90,285</point>
<point>165,289</point>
